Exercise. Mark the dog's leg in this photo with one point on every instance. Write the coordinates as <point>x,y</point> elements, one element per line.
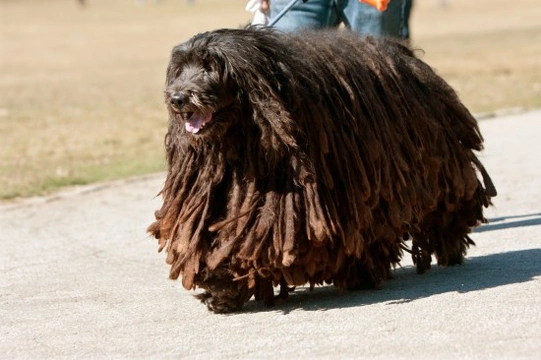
<point>362,275</point>
<point>421,252</point>
<point>447,232</point>
<point>264,291</point>
<point>453,240</point>
<point>284,290</point>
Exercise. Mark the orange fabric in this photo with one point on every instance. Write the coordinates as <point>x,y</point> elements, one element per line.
<point>381,5</point>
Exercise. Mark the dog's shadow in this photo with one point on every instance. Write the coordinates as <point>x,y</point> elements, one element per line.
<point>476,274</point>
<point>507,222</point>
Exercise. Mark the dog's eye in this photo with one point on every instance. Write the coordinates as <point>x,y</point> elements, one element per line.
<point>209,66</point>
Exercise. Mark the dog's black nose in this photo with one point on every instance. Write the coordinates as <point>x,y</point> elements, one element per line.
<point>177,99</point>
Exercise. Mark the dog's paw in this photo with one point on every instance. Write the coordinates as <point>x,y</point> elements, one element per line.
<point>219,305</point>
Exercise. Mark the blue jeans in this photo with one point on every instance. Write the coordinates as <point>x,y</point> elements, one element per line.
<point>359,17</point>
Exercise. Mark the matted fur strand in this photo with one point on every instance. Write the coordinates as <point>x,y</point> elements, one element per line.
<point>311,158</point>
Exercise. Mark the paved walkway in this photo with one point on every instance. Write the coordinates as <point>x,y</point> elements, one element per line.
<point>81,279</point>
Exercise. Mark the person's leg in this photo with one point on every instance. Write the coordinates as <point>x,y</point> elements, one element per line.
<point>405,32</point>
<point>313,14</point>
<point>361,17</point>
<point>393,19</point>
<point>367,20</point>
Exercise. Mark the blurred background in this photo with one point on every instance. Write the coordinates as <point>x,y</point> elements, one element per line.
<point>81,81</point>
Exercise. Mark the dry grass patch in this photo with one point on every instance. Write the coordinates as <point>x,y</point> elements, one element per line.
<point>489,50</point>
<point>81,89</point>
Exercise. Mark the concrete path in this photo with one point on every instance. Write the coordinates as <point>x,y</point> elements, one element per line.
<point>79,278</point>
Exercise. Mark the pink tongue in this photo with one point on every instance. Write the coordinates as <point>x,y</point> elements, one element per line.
<point>196,122</point>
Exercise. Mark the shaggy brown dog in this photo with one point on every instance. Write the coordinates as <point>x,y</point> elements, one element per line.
<point>311,158</point>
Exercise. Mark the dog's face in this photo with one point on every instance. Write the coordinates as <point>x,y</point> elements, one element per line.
<point>199,95</point>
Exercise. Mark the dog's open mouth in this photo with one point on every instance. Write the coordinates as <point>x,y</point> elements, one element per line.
<point>195,121</point>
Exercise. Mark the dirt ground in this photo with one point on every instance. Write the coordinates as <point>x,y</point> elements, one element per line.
<point>82,87</point>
